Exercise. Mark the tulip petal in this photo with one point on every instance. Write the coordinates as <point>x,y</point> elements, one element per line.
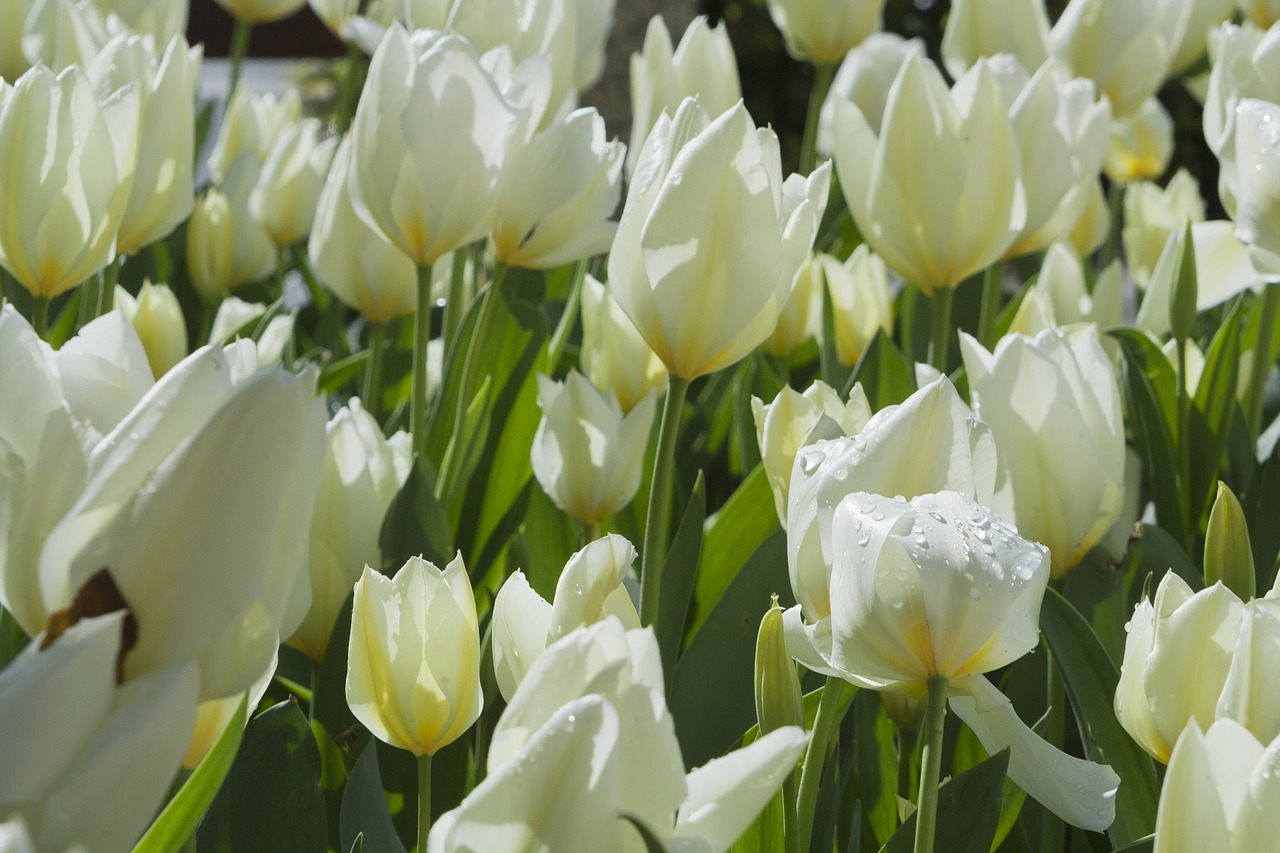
<point>520,621</point>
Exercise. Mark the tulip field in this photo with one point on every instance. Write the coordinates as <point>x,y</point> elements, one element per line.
<point>411,461</point>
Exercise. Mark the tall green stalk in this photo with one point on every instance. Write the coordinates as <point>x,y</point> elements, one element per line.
<point>421,335</point>
<point>424,801</point>
<point>239,50</point>
<point>349,90</point>
<point>372,391</point>
<point>942,330</point>
<point>1261,365</point>
<point>40,315</point>
<point>815,756</point>
<point>991,281</point>
<point>1111,249</point>
<point>658,517</point>
<point>822,77</point>
<point>931,763</point>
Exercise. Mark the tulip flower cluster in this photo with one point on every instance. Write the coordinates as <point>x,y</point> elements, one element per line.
<point>438,457</point>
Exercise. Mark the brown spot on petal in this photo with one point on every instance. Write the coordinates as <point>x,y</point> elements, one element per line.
<point>98,597</point>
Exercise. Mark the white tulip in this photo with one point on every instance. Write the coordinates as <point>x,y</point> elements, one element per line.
<point>614,355</point>
<point>1151,215</point>
<point>864,79</point>
<point>985,28</point>
<point>823,31</point>
<point>284,199</point>
<point>1119,45</point>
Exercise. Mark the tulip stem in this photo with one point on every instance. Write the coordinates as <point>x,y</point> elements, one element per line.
<point>790,817</point>
<point>931,763</point>
<point>942,331</point>
<point>236,54</point>
<point>815,756</point>
<point>372,391</point>
<point>1261,365</point>
<point>424,801</point>
<point>1111,249</point>
<point>107,287</point>
<point>658,516</point>
<point>421,334</point>
<point>455,307</point>
<point>560,338</point>
<point>822,77</point>
<point>991,281</point>
<point>348,91</point>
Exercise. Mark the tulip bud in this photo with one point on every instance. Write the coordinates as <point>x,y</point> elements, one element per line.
<point>864,79</point>
<point>157,317</point>
<point>1120,46</point>
<point>1182,301</point>
<point>210,237</point>
<point>261,11</point>
<point>1228,554</point>
<point>779,701</point>
<point>861,303</point>
<point>413,671</point>
<point>823,31</point>
<point>985,28</point>
<point>586,454</point>
<point>1141,144</point>
<point>284,199</point>
<point>1151,214</point>
<point>614,356</point>
<point>801,315</point>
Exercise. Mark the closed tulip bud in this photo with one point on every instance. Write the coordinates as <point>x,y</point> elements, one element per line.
<point>1152,214</point>
<point>261,11</point>
<point>860,300</point>
<point>614,356</point>
<point>938,230</point>
<point>88,759</point>
<point>714,187</point>
<point>1257,159</point>
<point>1198,656</point>
<point>163,193</point>
<point>586,454</point>
<point>363,472</point>
<point>428,144</point>
<point>157,317</point>
<point>1221,792</point>
<point>864,79</point>
<point>794,420</point>
<point>590,590</point>
<point>284,199</point>
<point>1065,472</point>
<point>823,31</point>
<point>1120,46</point>
<point>413,671</point>
<point>703,65</point>
<point>929,443</point>
<point>356,262</point>
<point>557,195</point>
<point>985,28</point>
<point>1141,144</point>
<point>1228,554</point>
<point>210,239</point>
<point>779,701</point>
<point>73,158</point>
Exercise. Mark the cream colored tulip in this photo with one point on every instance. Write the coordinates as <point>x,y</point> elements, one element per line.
<point>210,245</point>
<point>69,163</point>
<point>335,14</point>
<point>163,193</point>
<point>429,144</point>
<point>356,262</point>
<point>413,671</point>
<point>594,22</point>
<point>158,319</point>
<point>162,20</point>
<point>938,193</point>
<point>288,189</point>
<point>1141,144</point>
<point>590,589</point>
<point>557,194</point>
<point>704,65</point>
<point>1186,25</point>
<point>62,33</point>
<point>1246,64</point>
<point>864,79</point>
<point>1060,296</point>
<point>587,456</point>
<point>1151,215</point>
<point>232,321</point>
<point>261,11</point>
<point>88,760</point>
<point>794,420</point>
<point>1053,403</point>
<point>1263,13</point>
<point>251,126</point>
<point>1257,159</point>
<point>362,473</point>
<point>985,28</point>
<point>711,238</point>
<point>614,355</point>
<point>1094,225</point>
<point>1121,46</point>
<point>801,316</point>
<point>823,31</point>
<point>860,300</point>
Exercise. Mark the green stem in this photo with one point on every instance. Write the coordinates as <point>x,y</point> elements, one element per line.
<point>1111,249</point>
<point>349,92</point>
<point>942,331</point>
<point>456,306</point>
<point>239,49</point>
<point>107,291</point>
<point>372,391</point>
<point>160,256</point>
<point>1262,357</point>
<point>1184,436</point>
<point>822,76</point>
<point>424,801</point>
<point>282,267</point>
<point>658,517</point>
<point>815,756</point>
<point>40,315</point>
<point>790,817</point>
<point>991,281</point>
<point>1051,829</point>
<point>560,339</point>
<point>931,763</point>
<point>421,334</point>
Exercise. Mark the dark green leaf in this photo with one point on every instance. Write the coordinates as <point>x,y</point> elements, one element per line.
<point>888,377</point>
<point>415,523</point>
<point>678,575</point>
<point>1142,845</point>
<point>1156,552</point>
<point>336,376</point>
<point>364,808</point>
<point>357,846</point>
<point>1154,428</point>
<point>968,810</point>
<point>549,538</point>
<point>876,762</point>
<point>1212,414</point>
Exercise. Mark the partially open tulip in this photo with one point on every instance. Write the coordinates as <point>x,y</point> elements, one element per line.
<point>211,246</point>
<point>1053,404</point>
<point>157,317</point>
<point>1246,64</point>
<point>985,28</point>
<point>88,759</point>
<point>413,667</point>
<point>938,192</point>
<point>1061,297</point>
<point>1141,144</point>
<point>823,31</point>
<point>711,239</point>
<point>1121,46</point>
<point>1257,159</point>
<point>1152,214</point>
<point>69,161</point>
<point>362,473</point>
<point>864,79</point>
<point>1186,25</point>
<point>288,188</point>
<point>614,356</point>
<point>62,33</point>
<point>589,590</point>
<point>587,455</point>
<point>800,319</point>
<point>941,587</point>
<point>861,303</point>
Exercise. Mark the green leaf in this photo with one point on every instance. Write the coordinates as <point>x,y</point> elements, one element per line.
<point>876,761</point>
<point>969,752</point>
<point>713,692</point>
<point>968,810</point>
<point>549,538</point>
<point>364,808</point>
<point>731,536</point>
<point>678,576</point>
<point>1090,679</point>
<point>886,374</point>
<point>1143,845</point>
<point>415,523</point>
<point>1151,422</point>
<point>170,831</point>
<point>338,374</point>
<point>271,799</point>
<point>1211,416</point>
<point>1157,552</point>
